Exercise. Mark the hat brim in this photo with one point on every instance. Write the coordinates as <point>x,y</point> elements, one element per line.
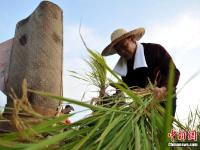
<point>136,34</point>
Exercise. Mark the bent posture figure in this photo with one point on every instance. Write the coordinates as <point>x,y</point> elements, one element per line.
<point>142,61</point>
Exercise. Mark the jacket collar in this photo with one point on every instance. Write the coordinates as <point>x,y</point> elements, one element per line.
<point>139,61</point>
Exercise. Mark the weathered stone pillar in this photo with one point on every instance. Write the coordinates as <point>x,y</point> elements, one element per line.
<point>37,55</point>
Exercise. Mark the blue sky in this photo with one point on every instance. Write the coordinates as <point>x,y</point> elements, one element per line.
<point>173,24</point>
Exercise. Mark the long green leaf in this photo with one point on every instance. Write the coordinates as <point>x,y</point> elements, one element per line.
<point>108,129</point>
<point>168,120</point>
<point>77,102</point>
<point>137,138</point>
<point>84,140</point>
<point>50,141</point>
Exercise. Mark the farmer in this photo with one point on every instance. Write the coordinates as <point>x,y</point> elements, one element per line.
<point>65,111</point>
<point>140,62</point>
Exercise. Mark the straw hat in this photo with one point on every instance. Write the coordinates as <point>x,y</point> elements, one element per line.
<point>119,35</point>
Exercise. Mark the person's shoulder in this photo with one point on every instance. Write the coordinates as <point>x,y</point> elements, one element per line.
<point>152,45</point>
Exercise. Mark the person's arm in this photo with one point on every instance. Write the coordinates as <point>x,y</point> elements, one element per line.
<point>164,65</point>
<point>164,60</point>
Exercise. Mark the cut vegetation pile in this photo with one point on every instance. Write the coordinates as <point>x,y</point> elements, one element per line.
<point>126,120</point>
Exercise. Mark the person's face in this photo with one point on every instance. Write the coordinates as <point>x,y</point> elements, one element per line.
<point>66,110</point>
<point>126,48</point>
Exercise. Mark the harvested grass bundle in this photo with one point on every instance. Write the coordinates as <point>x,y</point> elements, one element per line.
<point>137,123</point>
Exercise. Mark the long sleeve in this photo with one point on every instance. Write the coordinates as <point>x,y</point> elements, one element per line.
<point>164,60</point>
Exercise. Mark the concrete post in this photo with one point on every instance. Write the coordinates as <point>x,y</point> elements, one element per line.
<point>37,55</point>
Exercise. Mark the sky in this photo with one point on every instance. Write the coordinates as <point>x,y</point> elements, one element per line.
<point>173,23</point>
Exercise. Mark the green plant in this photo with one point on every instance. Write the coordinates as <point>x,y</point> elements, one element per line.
<point>128,121</point>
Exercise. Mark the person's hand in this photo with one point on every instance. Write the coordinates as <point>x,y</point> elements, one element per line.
<point>159,93</point>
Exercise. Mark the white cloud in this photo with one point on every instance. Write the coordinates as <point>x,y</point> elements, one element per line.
<point>179,34</point>
<point>74,52</point>
<point>3,100</point>
<point>73,43</point>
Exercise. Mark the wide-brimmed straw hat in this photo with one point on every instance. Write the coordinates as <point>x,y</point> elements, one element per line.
<point>119,35</point>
